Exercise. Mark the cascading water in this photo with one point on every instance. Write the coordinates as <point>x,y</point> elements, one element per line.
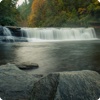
<point>7,36</point>
<point>6,32</point>
<point>59,34</point>
<point>46,34</point>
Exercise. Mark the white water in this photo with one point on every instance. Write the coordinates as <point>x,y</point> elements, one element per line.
<point>59,34</point>
<point>6,31</point>
<point>7,34</point>
<point>50,34</point>
<point>0,99</point>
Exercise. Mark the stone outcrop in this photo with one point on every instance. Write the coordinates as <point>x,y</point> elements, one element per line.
<point>19,35</point>
<point>15,84</point>
<point>15,31</point>
<point>27,66</point>
<point>97,29</point>
<point>76,85</point>
<point>1,31</point>
<point>12,34</point>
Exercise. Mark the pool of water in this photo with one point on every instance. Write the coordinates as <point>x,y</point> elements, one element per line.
<point>53,56</point>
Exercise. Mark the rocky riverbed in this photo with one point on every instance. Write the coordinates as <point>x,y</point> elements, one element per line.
<point>16,84</point>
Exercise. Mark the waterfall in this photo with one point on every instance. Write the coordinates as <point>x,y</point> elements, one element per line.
<point>6,32</point>
<point>47,34</point>
<point>7,35</point>
<point>59,34</point>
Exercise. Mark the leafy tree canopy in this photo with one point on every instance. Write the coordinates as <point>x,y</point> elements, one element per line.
<point>8,12</point>
<point>25,10</point>
<point>57,13</point>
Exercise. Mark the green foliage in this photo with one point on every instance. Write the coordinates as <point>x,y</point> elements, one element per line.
<point>8,12</point>
<point>50,13</point>
<point>7,21</point>
<point>57,13</point>
<point>25,10</point>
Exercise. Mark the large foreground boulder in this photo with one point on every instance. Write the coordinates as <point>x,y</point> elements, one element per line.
<point>76,85</point>
<point>15,84</point>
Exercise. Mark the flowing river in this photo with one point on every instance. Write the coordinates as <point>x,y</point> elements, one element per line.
<point>53,56</point>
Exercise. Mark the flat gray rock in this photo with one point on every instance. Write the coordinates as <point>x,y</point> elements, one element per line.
<point>15,84</point>
<point>75,85</point>
<point>28,66</point>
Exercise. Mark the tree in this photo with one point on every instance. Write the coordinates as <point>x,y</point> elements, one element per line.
<point>25,10</point>
<point>8,12</point>
<point>57,13</point>
<point>34,17</point>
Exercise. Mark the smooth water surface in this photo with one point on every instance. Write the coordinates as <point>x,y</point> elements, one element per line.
<point>53,56</point>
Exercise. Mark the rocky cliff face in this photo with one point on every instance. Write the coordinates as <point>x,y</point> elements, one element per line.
<point>76,85</point>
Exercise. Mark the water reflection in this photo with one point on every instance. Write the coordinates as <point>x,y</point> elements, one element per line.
<point>54,57</point>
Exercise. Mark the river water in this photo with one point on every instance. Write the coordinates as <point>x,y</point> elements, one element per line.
<point>53,56</point>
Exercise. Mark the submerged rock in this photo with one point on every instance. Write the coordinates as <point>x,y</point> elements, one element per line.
<point>76,85</point>
<point>15,84</point>
<point>28,66</point>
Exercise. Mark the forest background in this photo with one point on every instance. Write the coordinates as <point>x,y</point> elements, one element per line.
<point>50,13</point>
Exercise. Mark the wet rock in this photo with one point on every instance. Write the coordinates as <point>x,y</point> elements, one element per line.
<point>97,29</point>
<point>1,31</point>
<point>76,85</point>
<point>15,31</point>
<point>7,40</point>
<point>28,66</point>
<point>17,34</point>
<point>15,84</point>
